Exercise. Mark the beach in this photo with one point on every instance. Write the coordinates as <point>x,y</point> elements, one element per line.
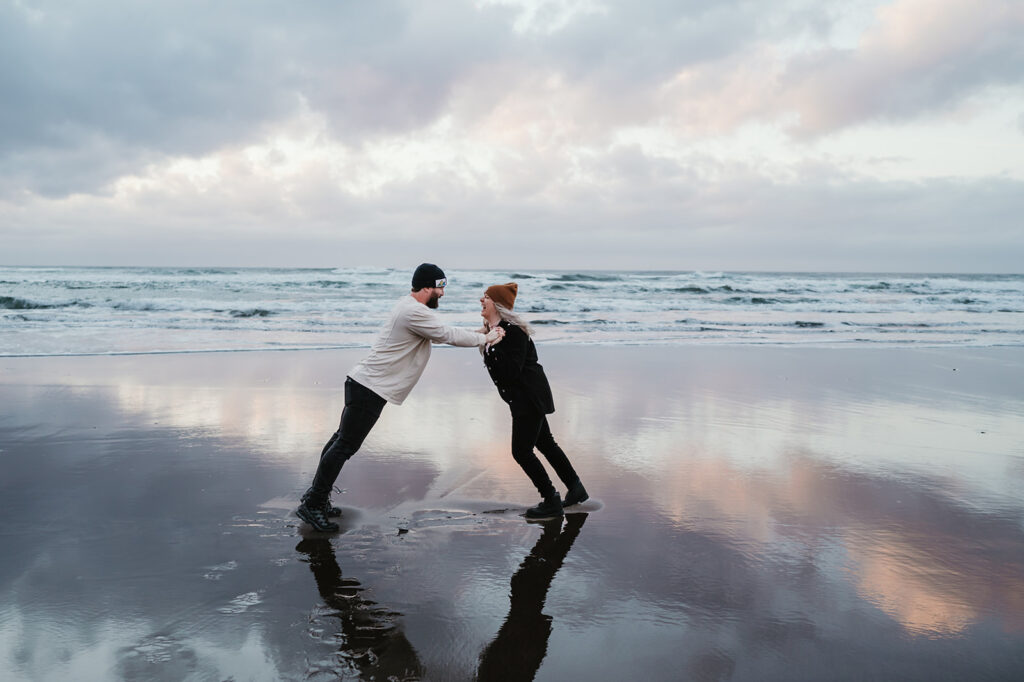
<point>756,513</point>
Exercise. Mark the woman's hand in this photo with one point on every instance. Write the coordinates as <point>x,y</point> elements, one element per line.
<point>495,336</point>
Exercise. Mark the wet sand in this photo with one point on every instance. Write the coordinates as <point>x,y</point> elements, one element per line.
<point>757,513</point>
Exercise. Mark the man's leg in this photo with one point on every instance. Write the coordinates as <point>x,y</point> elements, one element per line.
<point>331,440</point>
<point>362,409</point>
<point>329,508</point>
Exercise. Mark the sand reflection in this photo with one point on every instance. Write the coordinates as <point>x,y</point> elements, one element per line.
<point>518,649</point>
<point>932,565</point>
<point>371,640</point>
<point>372,644</point>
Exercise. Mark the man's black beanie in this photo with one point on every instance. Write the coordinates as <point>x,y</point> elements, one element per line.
<point>427,275</point>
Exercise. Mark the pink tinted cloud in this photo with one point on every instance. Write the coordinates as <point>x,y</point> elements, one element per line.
<point>920,55</point>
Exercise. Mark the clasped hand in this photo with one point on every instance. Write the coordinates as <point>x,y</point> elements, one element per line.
<point>495,335</point>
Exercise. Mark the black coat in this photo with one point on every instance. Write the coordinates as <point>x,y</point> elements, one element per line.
<point>513,367</point>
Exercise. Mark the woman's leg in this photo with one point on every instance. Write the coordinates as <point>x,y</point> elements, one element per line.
<point>525,429</point>
<point>554,455</point>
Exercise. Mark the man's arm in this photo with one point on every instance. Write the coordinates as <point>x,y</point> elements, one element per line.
<point>427,324</point>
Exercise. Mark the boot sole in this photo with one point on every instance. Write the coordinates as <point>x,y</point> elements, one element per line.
<point>572,504</point>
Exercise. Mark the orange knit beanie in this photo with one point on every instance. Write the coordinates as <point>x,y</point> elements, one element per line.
<point>503,294</point>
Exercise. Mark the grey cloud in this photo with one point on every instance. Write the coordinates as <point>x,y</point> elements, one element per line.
<point>645,43</point>
<point>400,80</point>
<point>834,89</point>
<point>629,54</point>
<point>821,220</point>
<point>677,220</point>
<point>134,83</point>
<point>680,216</point>
<point>188,78</point>
<point>84,166</point>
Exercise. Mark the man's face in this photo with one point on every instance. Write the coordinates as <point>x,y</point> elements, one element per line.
<point>435,295</point>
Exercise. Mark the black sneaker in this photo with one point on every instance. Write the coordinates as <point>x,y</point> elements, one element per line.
<point>329,509</point>
<point>548,508</point>
<point>576,494</point>
<point>316,517</point>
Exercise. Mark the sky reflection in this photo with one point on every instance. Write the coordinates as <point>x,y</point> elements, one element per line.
<point>757,514</point>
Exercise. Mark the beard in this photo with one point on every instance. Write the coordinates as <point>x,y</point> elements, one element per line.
<point>432,301</point>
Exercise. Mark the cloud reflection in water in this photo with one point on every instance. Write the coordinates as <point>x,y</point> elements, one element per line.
<point>764,514</point>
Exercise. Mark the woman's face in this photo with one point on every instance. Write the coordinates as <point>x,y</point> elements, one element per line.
<point>487,308</point>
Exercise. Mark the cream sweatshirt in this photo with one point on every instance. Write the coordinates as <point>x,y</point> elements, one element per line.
<point>400,353</point>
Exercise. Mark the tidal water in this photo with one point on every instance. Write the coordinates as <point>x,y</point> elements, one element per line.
<point>61,311</point>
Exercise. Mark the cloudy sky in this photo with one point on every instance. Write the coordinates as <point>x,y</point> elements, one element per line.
<point>668,134</point>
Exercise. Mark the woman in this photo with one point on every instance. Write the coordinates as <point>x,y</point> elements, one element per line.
<point>512,364</point>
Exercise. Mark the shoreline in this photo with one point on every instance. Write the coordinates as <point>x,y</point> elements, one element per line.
<point>557,343</point>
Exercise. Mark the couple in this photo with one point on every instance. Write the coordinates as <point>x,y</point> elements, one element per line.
<point>398,358</point>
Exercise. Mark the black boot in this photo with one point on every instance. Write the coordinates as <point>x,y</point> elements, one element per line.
<point>314,514</point>
<point>329,509</point>
<point>576,494</point>
<point>550,506</point>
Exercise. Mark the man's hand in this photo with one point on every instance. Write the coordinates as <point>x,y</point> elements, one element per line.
<point>495,335</point>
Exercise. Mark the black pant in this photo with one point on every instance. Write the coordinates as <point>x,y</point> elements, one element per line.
<point>362,409</point>
<point>529,430</point>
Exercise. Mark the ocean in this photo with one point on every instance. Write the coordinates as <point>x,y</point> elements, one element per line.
<point>80,311</point>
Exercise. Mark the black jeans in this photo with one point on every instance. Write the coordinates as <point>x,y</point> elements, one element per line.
<point>529,430</point>
<point>362,409</point>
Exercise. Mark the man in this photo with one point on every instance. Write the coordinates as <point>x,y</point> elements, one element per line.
<point>387,375</point>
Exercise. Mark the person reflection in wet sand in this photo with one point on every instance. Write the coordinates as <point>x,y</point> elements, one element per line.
<point>518,649</point>
<point>373,644</point>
